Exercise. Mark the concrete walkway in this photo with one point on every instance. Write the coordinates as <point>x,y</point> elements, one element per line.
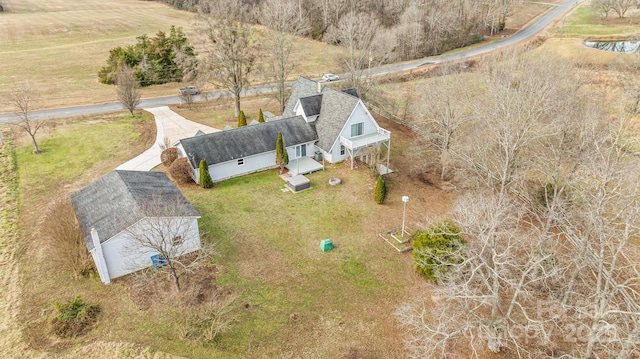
<point>169,125</point>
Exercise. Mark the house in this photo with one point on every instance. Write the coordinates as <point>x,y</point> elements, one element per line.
<point>318,123</point>
<point>345,127</point>
<point>248,149</point>
<point>125,216</point>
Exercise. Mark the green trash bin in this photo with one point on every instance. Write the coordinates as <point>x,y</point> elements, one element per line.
<point>326,245</point>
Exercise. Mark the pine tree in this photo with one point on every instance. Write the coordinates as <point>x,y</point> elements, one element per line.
<point>380,191</point>
<point>242,119</point>
<point>260,116</point>
<point>205,177</point>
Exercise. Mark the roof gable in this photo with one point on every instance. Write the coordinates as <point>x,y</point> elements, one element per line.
<point>119,199</point>
<point>304,87</point>
<point>337,107</point>
<point>247,141</point>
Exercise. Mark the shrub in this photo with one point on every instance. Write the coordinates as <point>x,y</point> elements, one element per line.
<point>168,156</point>
<point>64,240</point>
<point>74,317</point>
<point>436,249</point>
<point>380,192</point>
<point>260,116</point>
<point>208,322</point>
<point>180,170</point>
<point>205,177</point>
<point>242,119</point>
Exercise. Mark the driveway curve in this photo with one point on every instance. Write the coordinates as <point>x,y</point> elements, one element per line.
<point>171,128</point>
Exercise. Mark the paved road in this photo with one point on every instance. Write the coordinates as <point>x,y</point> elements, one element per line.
<point>527,33</point>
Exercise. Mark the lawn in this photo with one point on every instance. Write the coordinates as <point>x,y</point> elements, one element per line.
<point>292,298</point>
<point>585,21</point>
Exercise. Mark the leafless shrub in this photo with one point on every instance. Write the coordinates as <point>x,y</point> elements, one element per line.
<point>64,240</point>
<point>168,156</point>
<point>207,322</point>
<point>180,170</point>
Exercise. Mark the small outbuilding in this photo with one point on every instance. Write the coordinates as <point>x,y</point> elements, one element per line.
<point>126,215</point>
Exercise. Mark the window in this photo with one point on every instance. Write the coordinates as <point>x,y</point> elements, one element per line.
<point>343,150</point>
<point>177,240</point>
<point>241,162</point>
<point>301,151</point>
<point>357,129</point>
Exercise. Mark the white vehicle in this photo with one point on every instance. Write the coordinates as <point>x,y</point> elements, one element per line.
<point>330,77</point>
<point>190,90</point>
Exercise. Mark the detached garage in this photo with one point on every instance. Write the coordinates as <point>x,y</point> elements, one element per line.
<point>126,214</point>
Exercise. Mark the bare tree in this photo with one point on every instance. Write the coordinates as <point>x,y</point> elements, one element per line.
<point>170,231</point>
<point>286,22</point>
<point>601,296</point>
<point>622,6</point>
<point>604,7</point>
<point>23,97</point>
<point>445,108</point>
<point>521,93</point>
<point>228,49</point>
<point>128,88</point>
<point>356,32</point>
<point>492,294</point>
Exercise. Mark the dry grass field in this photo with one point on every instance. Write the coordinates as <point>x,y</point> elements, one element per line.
<point>59,46</point>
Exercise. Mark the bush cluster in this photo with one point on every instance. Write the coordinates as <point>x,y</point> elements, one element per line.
<point>74,317</point>
<point>153,60</point>
<point>436,249</point>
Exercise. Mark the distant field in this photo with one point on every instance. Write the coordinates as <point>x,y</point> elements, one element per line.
<point>60,45</point>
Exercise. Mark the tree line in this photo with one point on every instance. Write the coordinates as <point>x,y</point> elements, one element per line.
<point>548,205</point>
<point>406,29</point>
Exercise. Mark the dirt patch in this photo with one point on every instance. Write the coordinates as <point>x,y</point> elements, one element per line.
<point>152,289</point>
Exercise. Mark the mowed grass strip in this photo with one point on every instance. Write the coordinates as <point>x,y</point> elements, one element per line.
<point>585,21</point>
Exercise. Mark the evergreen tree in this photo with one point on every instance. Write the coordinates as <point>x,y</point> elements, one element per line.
<point>242,119</point>
<point>260,116</point>
<point>205,177</point>
<point>436,249</point>
<point>282,158</point>
<point>380,191</point>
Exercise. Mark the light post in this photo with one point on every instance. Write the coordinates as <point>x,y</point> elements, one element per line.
<point>405,199</point>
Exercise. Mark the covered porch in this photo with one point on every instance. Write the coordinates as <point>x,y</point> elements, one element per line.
<point>303,165</point>
<point>355,146</point>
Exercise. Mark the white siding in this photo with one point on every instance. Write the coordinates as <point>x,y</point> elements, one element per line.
<point>230,169</point>
<point>123,255</point>
<point>359,114</point>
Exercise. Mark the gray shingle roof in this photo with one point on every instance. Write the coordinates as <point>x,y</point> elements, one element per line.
<point>337,106</point>
<point>304,87</point>
<point>246,141</point>
<point>311,105</point>
<point>121,198</point>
